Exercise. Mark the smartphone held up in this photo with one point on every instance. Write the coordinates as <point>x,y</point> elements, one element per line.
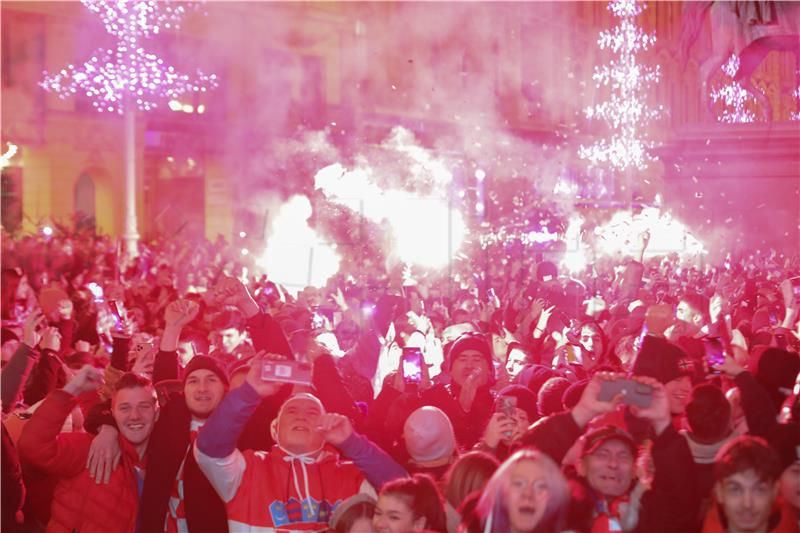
<point>286,371</point>
<point>411,361</point>
<point>633,392</point>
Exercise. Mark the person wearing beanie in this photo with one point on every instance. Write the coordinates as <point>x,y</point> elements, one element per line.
<point>669,364</point>
<point>572,395</point>
<point>515,410</point>
<point>430,442</point>
<point>549,399</point>
<point>176,496</point>
<point>468,400</point>
<point>297,484</point>
<point>709,417</point>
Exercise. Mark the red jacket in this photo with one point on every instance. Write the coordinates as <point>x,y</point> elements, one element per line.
<point>79,504</point>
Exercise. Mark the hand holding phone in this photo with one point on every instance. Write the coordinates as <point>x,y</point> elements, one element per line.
<point>506,405</point>
<point>116,309</point>
<point>412,361</point>
<point>633,392</point>
<point>714,351</point>
<point>286,371</point>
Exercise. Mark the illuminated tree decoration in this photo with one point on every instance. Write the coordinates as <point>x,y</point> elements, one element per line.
<point>733,96</point>
<point>626,111</point>
<point>127,72</point>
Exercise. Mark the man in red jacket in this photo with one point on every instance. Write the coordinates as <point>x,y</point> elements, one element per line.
<point>79,504</point>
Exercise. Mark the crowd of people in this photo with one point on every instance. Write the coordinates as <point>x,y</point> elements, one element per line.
<point>174,392</point>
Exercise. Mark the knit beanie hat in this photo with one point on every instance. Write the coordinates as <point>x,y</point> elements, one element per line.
<point>662,360</point>
<point>428,435</point>
<point>573,394</point>
<point>539,374</point>
<point>471,341</point>
<point>550,396</point>
<point>204,362</point>
<point>526,400</point>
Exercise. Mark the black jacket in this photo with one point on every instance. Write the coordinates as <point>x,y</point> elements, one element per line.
<point>671,504</point>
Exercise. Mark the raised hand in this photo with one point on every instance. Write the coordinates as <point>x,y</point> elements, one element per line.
<point>729,367</point>
<point>180,312</point>
<point>335,428</point>
<point>470,388</point>
<point>51,339</point>
<point>231,291</point>
<point>144,363</point>
<point>87,379</point>
<point>658,318</point>
<point>499,428</point>
<point>30,330</point>
<point>544,318</point>
<point>657,413</point>
<point>65,309</point>
<point>590,405</point>
<point>537,306</point>
<point>339,299</point>
<point>715,307</point>
<point>253,378</point>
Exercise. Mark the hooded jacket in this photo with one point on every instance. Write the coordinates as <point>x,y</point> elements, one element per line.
<point>277,491</point>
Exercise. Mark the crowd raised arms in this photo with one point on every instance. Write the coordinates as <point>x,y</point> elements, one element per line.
<point>176,393</point>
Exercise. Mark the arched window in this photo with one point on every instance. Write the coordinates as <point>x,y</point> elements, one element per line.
<point>84,203</point>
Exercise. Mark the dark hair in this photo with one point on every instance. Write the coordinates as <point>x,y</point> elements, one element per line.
<point>549,399</point>
<point>129,380</point>
<point>595,325</point>
<point>709,413</point>
<point>423,498</point>
<point>198,339</point>
<point>747,453</point>
<point>348,518</point>
<point>697,302</point>
<point>469,473</point>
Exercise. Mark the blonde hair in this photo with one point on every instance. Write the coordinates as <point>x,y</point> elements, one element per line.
<point>491,506</point>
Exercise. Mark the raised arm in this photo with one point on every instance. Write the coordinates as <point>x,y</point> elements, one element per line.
<point>43,445</point>
<point>15,373</point>
<point>215,448</point>
<point>376,465</point>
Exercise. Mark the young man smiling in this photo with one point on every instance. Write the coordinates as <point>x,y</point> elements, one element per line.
<point>746,471</point>
<point>79,504</point>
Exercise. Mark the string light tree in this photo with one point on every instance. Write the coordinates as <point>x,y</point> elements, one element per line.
<point>626,112</point>
<point>126,77</point>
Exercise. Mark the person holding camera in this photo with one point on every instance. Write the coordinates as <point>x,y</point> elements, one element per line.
<point>299,482</point>
<point>604,474</point>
